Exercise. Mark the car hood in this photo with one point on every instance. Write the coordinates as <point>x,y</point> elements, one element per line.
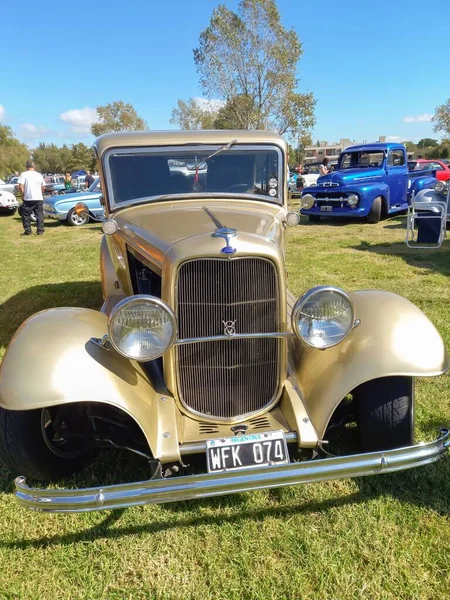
<point>349,176</point>
<point>154,229</point>
<point>74,197</point>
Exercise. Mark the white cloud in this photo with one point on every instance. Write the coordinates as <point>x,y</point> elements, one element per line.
<point>29,132</point>
<point>2,113</point>
<point>209,105</point>
<point>80,119</point>
<point>425,118</point>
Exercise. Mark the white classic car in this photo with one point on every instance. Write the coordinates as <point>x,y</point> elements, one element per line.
<point>8,202</point>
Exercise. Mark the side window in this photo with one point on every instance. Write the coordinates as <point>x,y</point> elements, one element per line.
<point>396,158</point>
<point>436,166</point>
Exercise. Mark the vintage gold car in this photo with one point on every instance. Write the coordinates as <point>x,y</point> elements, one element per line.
<point>200,360</point>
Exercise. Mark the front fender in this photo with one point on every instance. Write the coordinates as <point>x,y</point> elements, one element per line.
<point>51,361</point>
<point>422,183</point>
<point>394,337</point>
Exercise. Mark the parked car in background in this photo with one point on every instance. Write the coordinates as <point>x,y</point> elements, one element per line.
<point>8,203</point>
<point>200,360</point>
<point>439,166</point>
<point>295,183</point>
<point>61,207</point>
<point>372,180</point>
<point>10,185</point>
<point>53,184</point>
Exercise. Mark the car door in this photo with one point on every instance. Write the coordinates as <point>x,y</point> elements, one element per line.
<point>397,177</point>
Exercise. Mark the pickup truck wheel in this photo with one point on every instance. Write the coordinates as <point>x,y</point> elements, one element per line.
<point>76,220</point>
<point>314,218</point>
<point>26,447</point>
<point>385,413</point>
<point>375,211</point>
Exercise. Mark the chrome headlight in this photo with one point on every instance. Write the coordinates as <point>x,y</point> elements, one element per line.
<point>323,317</point>
<point>439,187</point>
<point>352,200</point>
<point>142,327</point>
<point>292,218</point>
<point>307,201</point>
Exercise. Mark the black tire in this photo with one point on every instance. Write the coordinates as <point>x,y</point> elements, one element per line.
<point>75,220</point>
<point>385,413</point>
<point>314,218</point>
<point>374,215</point>
<point>12,211</point>
<point>25,452</point>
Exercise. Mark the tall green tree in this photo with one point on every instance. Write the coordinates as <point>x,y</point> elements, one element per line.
<point>249,60</point>
<point>190,115</point>
<point>13,154</point>
<point>427,143</point>
<point>441,118</point>
<point>117,116</point>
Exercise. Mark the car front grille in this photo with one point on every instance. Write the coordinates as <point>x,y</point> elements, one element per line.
<point>227,379</point>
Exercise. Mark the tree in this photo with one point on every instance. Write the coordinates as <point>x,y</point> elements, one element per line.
<point>441,118</point>
<point>249,60</point>
<point>427,143</point>
<point>190,115</point>
<point>117,116</point>
<point>13,154</point>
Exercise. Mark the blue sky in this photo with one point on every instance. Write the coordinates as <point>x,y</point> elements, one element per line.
<point>375,68</point>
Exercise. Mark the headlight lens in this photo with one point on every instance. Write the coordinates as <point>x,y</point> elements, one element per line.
<point>439,187</point>
<point>307,201</point>
<point>323,317</point>
<point>142,327</point>
<point>352,200</point>
<point>292,218</point>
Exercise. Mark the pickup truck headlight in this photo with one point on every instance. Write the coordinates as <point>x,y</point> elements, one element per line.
<point>142,327</point>
<point>352,200</point>
<point>323,317</point>
<point>439,187</point>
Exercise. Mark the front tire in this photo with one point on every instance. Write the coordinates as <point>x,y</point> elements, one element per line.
<point>76,220</point>
<point>385,413</point>
<point>374,215</point>
<point>25,451</point>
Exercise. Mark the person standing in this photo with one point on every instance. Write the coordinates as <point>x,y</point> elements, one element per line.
<point>323,169</point>
<point>31,187</point>
<point>67,181</point>
<point>89,180</point>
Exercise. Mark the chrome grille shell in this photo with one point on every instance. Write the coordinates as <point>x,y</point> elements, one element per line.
<point>228,379</point>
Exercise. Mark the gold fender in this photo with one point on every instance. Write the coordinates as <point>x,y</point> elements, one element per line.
<point>51,361</point>
<point>394,337</point>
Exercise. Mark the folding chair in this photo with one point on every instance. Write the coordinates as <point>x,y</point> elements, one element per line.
<point>426,221</point>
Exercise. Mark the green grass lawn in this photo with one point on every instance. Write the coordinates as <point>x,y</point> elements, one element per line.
<point>384,537</point>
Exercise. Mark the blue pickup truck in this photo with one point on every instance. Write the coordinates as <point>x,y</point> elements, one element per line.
<point>371,180</point>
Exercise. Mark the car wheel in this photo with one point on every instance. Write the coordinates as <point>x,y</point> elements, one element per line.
<point>385,413</point>
<point>314,218</point>
<point>76,220</point>
<point>375,211</point>
<point>28,447</point>
<point>13,211</point>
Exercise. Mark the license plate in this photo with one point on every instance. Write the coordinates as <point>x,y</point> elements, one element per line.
<point>326,208</point>
<point>246,451</point>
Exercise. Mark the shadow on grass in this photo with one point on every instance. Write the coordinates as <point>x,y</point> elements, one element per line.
<point>428,487</point>
<point>434,260</point>
<point>16,309</point>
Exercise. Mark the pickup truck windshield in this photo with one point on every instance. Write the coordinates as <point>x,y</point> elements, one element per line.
<point>355,160</point>
<point>138,175</point>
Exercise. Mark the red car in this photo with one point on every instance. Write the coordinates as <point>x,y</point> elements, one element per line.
<point>442,169</point>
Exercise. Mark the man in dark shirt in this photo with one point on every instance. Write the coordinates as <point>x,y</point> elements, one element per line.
<point>89,180</point>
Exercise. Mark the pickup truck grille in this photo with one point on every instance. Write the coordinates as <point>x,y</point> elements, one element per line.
<point>227,379</point>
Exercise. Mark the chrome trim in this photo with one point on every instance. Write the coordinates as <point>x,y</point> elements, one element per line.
<point>206,485</point>
<point>235,336</point>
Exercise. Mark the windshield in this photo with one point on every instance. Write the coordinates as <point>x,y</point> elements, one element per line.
<point>147,174</point>
<point>355,160</point>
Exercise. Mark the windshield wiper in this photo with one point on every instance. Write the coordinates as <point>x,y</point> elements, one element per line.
<point>222,149</point>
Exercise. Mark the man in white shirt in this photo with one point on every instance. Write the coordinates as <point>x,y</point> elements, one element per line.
<point>31,186</point>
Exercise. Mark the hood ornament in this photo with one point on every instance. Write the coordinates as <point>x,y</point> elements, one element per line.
<point>227,233</point>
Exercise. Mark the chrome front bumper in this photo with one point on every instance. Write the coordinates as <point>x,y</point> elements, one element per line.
<point>192,487</point>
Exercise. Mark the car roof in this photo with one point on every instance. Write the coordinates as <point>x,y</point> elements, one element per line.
<point>179,137</point>
<point>375,147</point>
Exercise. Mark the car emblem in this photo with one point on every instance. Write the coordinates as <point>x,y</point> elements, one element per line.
<point>239,429</point>
<point>229,328</point>
<point>227,233</point>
